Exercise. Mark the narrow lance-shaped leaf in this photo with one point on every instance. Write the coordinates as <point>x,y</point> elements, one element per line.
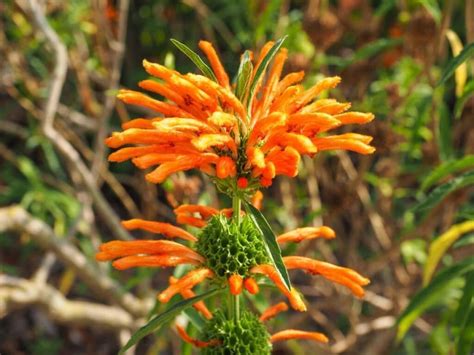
<point>447,168</point>
<point>430,294</point>
<point>261,69</point>
<point>456,62</point>
<point>196,59</point>
<point>244,75</point>
<point>166,317</point>
<point>441,244</point>
<point>463,323</point>
<point>461,101</point>
<point>442,191</point>
<point>269,239</point>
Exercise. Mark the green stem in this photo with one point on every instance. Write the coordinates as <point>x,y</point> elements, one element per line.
<point>234,303</point>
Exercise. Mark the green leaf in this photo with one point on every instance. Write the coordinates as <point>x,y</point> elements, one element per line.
<point>442,191</point>
<point>261,69</point>
<point>441,244</point>
<point>431,294</point>
<point>195,318</point>
<point>463,323</point>
<point>444,134</point>
<point>461,101</point>
<point>243,75</point>
<point>456,62</point>
<point>196,59</point>
<point>166,317</point>
<point>271,244</point>
<point>365,52</point>
<point>447,168</point>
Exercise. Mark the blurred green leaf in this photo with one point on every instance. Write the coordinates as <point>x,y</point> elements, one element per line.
<point>463,323</point>
<point>441,244</point>
<point>195,58</point>
<point>431,294</point>
<point>461,101</point>
<point>166,317</point>
<point>365,52</point>
<point>438,194</point>
<point>446,169</point>
<point>456,62</point>
<point>444,133</point>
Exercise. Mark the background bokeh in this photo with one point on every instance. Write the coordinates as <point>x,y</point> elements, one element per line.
<point>60,198</point>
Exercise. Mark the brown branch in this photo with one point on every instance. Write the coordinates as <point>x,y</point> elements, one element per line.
<point>66,149</point>
<point>17,219</point>
<point>375,219</point>
<point>118,50</point>
<point>17,293</point>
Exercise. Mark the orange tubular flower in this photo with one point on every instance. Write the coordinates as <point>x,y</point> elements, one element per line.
<point>298,334</point>
<point>235,284</point>
<point>197,343</point>
<point>272,311</point>
<point>209,126</point>
<point>188,293</point>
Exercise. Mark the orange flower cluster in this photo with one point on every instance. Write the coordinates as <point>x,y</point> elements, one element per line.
<point>166,253</point>
<point>202,124</point>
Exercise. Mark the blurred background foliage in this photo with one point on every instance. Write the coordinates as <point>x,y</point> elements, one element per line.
<point>404,216</point>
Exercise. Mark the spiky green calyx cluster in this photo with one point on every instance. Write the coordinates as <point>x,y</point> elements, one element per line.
<point>230,248</point>
<point>246,337</point>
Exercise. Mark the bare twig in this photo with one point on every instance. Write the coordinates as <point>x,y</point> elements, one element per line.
<point>376,220</point>
<point>118,50</point>
<point>56,138</point>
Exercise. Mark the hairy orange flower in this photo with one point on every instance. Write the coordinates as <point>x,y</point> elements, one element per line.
<point>215,127</point>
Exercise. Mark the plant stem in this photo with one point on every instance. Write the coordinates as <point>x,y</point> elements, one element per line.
<point>234,303</point>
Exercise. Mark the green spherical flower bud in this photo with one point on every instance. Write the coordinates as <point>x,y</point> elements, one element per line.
<point>230,248</point>
<point>244,337</point>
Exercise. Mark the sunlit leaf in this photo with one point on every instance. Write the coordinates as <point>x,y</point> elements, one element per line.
<point>165,317</point>
<point>261,69</point>
<point>460,74</point>
<point>441,244</point>
<point>196,59</point>
<point>431,294</point>
<point>271,244</point>
<point>456,62</point>
<point>243,76</point>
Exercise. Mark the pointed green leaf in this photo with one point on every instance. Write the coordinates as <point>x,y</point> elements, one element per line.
<point>445,141</point>
<point>166,317</point>
<point>261,69</point>
<point>463,323</point>
<point>441,244</point>
<point>447,168</point>
<point>244,75</point>
<point>461,101</point>
<point>196,59</point>
<point>442,191</point>
<point>431,294</point>
<point>269,239</point>
<point>456,62</point>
